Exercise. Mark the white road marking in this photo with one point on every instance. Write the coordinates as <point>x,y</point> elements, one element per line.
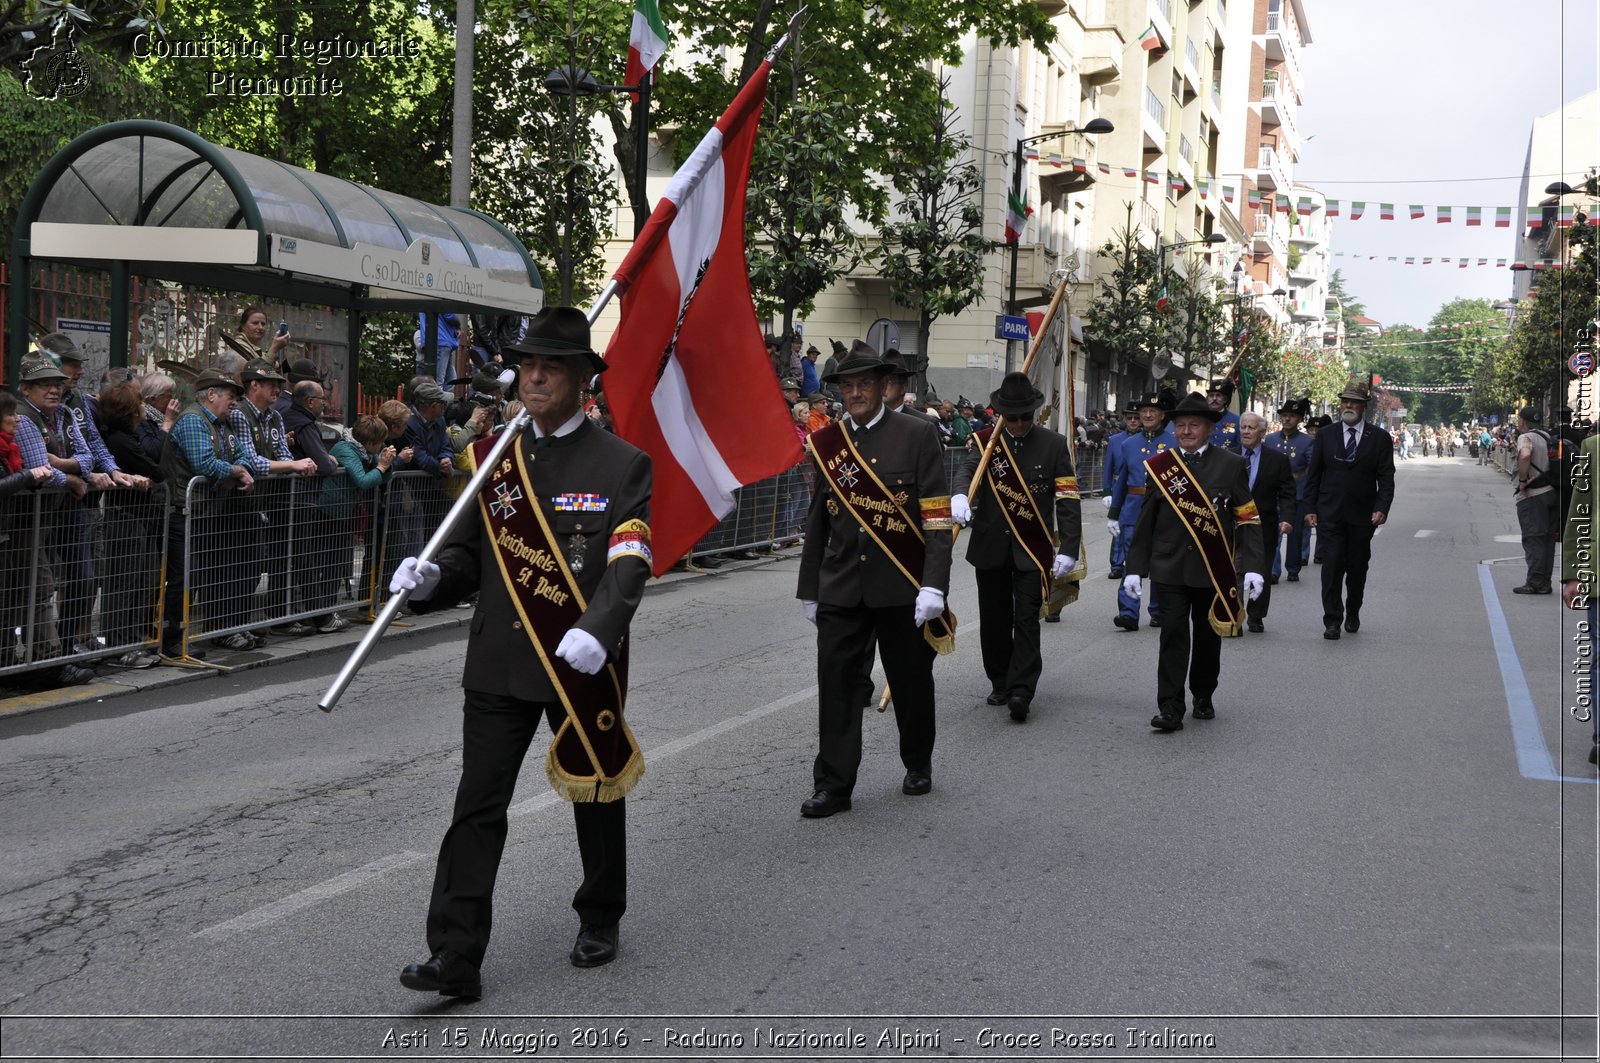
<point>1424,533</point>
<point>1508,538</point>
<point>271,913</point>
<point>294,902</point>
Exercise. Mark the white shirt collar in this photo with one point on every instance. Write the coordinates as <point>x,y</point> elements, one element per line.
<point>566,429</point>
<point>1201,449</point>
<point>882,409</point>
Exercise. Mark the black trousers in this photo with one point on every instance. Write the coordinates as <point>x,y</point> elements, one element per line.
<point>1346,551</point>
<point>846,636</point>
<point>496,733</point>
<point>1009,601</point>
<point>1257,610</point>
<point>1185,608</point>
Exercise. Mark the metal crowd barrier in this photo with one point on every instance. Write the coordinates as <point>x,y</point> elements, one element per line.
<point>1090,470</point>
<point>78,577</point>
<point>109,575</point>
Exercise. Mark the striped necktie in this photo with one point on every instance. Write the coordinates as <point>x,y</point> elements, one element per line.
<point>1350,445</point>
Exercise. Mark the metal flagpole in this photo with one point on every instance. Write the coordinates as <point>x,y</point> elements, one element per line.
<point>457,513</point>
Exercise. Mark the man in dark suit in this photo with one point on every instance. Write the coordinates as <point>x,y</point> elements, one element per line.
<point>1010,592</point>
<point>1349,489</point>
<point>1164,548</point>
<point>858,594</point>
<point>594,492</point>
<point>1272,486</point>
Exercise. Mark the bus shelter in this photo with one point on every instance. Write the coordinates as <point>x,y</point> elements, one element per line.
<point>155,200</point>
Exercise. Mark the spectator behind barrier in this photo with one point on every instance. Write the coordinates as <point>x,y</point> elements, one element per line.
<point>132,531</point>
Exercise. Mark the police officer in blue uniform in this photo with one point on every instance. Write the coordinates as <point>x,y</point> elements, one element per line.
<point>1113,464</point>
<point>1225,434</point>
<point>1296,446</point>
<point>1128,491</point>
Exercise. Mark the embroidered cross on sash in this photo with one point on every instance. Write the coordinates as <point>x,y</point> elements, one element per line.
<point>875,508</point>
<point>593,756</point>
<point>1188,500</point>
<point>1024,513</point>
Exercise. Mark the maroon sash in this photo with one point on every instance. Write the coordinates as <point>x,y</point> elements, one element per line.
<point>1022,511</point>
<point>593,756</point>
<point>1188,500</point>
<point>883,515</point>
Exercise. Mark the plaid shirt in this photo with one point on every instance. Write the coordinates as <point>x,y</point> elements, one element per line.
<point>249,457</point>
<point>192,435</point>
<point>35,453</point>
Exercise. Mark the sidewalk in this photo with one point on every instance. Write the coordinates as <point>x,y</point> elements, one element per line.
<point>116,682</point>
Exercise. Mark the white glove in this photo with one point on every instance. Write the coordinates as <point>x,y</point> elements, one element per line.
<point>1133,586</point>
<point>810,609</point>
<point>1253,585</point>
<point>1105,500</point>
<point>930,603</point>
<point>421,578</point>
<point>960,510</point>
<point>1063,565</point>
<point>1114,526</point>
<point>582,650</point>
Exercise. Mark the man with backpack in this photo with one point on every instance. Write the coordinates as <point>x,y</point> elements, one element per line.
<point>1536,497</point>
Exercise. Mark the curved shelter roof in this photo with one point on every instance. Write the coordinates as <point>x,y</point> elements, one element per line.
<point>168,203</point>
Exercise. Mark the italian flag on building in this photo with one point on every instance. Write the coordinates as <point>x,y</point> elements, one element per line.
<point>647,42</point>
<point>1017,214</point>
<point>1150,39</point>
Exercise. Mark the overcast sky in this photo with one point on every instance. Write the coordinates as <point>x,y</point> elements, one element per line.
<point>1432,101</point>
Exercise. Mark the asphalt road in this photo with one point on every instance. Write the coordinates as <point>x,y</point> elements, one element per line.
<point>1364,854</point>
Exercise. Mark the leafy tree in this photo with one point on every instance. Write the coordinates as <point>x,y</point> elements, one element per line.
<point>1122,320</point>
<point>525,137</point>
<point>933,247</point>
<point>1557,318</point>
<point>798,226</point>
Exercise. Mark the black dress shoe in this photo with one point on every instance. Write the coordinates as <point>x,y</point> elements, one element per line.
<point>1126,623</point>
<point>1531,588</point>
<point>916,783</point>
<point>1018,706</point>
<point>1052,618</point>
<point>1352,623</point>
<point>1116,573</point>
<point>596,946</point>
<point>1155,621</point>
<point>1331,632</point>
<point>996,697</point>
<point>1294,577</point>
<point>1594,754</point>
<point>444,973</point>
<point>822,804</point>
<point>1167,721</point>
<point>1255,625</point>
<point>1203,709</point>
<point>1273,580</point>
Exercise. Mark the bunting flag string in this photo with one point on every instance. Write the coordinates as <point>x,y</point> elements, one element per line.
<point>1461,262</point>
<point>1564,215</point>
<point>1351,344</point>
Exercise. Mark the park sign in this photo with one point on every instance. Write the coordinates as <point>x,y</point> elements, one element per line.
<point>1010,327</point>
<point>420,269</point>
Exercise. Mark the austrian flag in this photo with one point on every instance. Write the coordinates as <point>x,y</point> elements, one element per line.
<point>689,339</point>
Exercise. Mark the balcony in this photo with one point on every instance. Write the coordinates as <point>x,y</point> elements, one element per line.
<point>1153,123</point>
<point>1270,174</point>
<point>1307,271</point>
<point>1282,44</point>
<point>1102,55</point>
<point>1278,108</point>
<point>1267,237</point>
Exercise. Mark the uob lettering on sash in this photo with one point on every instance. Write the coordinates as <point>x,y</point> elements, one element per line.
<point>593,756</point>
<point>877,510</point>
<point>1188,500</point>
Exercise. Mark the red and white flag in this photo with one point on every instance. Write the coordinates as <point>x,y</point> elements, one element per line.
<point>688,378</point>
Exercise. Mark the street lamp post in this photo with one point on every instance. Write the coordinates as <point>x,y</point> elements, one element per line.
<point>1097,125</point>
<point>573,81</point>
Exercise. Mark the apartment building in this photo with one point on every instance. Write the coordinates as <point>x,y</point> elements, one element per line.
<point>1563,147</point>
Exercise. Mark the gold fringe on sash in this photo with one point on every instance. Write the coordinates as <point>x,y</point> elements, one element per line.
<point>577,788</point>
<point>941,635</point>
